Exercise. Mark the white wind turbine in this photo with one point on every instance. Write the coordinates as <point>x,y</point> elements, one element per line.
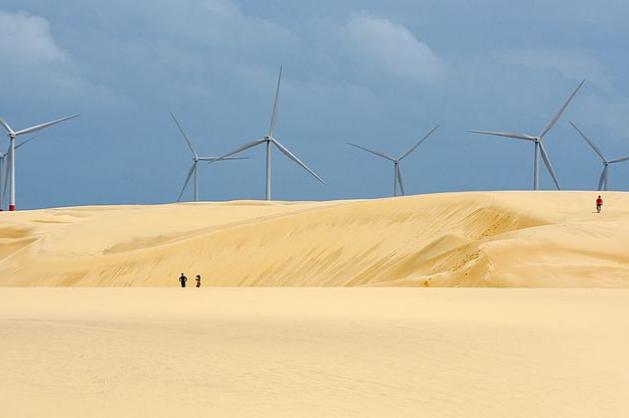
<point>397,173</point>
<point>538,141</point>
<point>269,140</point>
<point>195,161</point>
<point>603,179</point>
<point>11,153</point>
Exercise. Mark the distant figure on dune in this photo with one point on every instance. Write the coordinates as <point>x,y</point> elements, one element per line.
<point>183,279</point>
<point>198,279</point>
<point>599,204</point>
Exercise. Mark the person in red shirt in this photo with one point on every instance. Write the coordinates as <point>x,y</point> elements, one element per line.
<point>599,204</point>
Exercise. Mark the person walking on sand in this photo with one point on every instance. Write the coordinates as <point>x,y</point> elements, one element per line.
<point>198,279</point>
<point>599,204</point>
<point>183,279</point>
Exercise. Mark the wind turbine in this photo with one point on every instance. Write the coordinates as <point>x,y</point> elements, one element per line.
<point>11,154</point>
<point>397,173</point>
<point>269,140</point>
<point>538,141</point>
<point>195,161</point>
<point>603,179</point>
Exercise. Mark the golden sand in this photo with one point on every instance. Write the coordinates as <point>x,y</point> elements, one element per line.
<point>506,239</point>
<point>378,352</point>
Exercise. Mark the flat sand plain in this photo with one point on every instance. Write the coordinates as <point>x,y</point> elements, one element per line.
<point>496,239</point>
<point>313,352</point>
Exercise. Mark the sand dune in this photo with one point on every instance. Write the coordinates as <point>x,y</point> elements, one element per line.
<point>283,352</point>
<point>460,239</point>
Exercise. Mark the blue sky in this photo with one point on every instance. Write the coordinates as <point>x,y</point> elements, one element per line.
<point>379,74</point>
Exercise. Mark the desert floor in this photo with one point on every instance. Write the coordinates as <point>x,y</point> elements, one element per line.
<point>288,352</point>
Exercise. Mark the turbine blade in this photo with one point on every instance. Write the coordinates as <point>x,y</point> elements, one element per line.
<point>214,160</point>
<point>379,154</point>
<point>6,126</point>
<point>601,179</point>
<point>619,160</point>
<point>25,142</point>
<point>275,104</point>
<point>241,149</point>
<point>185,184</point>
<point>554,120</point>
<point>293,157</point>
<point>414,147</point>
<point>399,179</point>
<point>594,147</point>
<point>185,137</point>
<point>44,125</point>
<point>549,166</point>
<point>505,135</point>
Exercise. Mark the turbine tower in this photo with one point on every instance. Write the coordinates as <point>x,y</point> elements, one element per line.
<point>193,171</point>
<point>11,154</point>
<point>4,183</point>
<point>397,173</point>
<point>538,142</point>
<point>604,178</point>
<point>268,140</point>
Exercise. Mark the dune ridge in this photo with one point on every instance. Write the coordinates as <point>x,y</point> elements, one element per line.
<point>499,239</point>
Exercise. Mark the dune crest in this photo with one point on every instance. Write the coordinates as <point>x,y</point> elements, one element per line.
<point>503,239</point>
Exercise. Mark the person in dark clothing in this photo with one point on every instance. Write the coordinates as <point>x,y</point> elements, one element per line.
<point>599,204</point>
<point>198,279</point>
<point>183,279</point>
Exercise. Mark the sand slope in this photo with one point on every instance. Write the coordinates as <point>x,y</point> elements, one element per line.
<point>458,239</point>
<point>95,352</point>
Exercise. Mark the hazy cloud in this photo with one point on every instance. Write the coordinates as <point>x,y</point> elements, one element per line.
<point>381,44</point>
<point>570,64</point>
<point>26,39</point>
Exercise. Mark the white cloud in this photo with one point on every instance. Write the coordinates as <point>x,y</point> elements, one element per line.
<point>38,67</point>
<point>26,39</point>
<point>388,46</point>
<point>572,65</point>
<point>221,7</point>
<point>223,23</point>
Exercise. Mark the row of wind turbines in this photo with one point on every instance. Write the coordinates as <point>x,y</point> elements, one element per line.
<point>269,141</point>
<point>7,160</point>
